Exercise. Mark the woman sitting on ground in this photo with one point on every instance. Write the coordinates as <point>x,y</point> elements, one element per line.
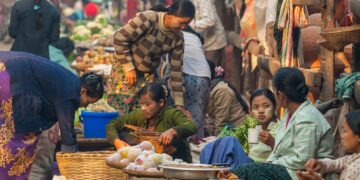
<point>263,107</point>
<point>348,165</point>
<point>226,106</point>
<point>303,132</point>
<point>155,116</point>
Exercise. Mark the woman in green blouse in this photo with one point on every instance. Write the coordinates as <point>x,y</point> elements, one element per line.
<point>155,116</point>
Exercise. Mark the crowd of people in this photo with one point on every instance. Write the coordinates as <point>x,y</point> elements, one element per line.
<point>169,59</point>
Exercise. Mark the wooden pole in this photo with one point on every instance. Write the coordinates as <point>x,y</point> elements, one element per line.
<point>328,57</point>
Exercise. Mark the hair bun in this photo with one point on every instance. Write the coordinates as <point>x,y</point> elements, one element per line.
<point>302,89</point>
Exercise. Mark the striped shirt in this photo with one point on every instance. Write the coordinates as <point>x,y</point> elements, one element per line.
<point>141,43</point>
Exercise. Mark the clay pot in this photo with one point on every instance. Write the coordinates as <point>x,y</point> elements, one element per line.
<point>312,9</point>
<point>315,19</point>
<point>309,36</point>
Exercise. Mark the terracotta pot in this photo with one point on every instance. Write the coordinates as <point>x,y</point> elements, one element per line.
<point>309,36</point>
<point>315,19</point>
<point>311,48</point>
<point>312,9</point>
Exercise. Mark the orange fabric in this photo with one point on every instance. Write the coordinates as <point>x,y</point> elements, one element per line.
<point>247,22</point>
<point>311,97</point>
<point>119,144</point>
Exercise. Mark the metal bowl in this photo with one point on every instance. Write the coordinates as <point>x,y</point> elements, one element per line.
<point>192,171</point>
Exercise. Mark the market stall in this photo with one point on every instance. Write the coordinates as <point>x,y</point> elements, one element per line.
<point>93,42</point>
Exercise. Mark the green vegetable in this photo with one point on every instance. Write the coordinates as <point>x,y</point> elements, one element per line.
<point>241,132</point>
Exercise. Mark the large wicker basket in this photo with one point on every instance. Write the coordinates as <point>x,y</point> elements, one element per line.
<point>87,165</point>
<point>337,38</point>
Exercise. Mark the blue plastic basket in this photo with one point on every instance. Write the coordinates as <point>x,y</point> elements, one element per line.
<point>95,123</point>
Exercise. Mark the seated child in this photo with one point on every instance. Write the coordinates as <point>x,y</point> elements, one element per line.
<point>349,165</point>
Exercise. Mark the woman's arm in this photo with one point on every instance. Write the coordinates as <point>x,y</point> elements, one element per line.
<point>65,111</point>
<point>125,36</point>
<point>113,127</point>
<point>207,17</point>
<point>305,143</point>
<point>184,127</point>
<point>176,78</point>
<point>333,165</point>
<point>55,28</point>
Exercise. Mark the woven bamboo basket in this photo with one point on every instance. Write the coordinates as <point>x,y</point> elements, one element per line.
<point>142,134</point>
<point>337,38</point>
<point>87,165</point>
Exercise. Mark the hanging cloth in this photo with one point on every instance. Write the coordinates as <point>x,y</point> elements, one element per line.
<point>290,17</point>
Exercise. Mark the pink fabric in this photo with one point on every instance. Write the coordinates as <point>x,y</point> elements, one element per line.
<point>288,120</point>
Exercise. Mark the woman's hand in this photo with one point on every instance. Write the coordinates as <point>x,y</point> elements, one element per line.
<point>119,144</point>
<point>266,138</point>
<point>310,175</point>
<point>313,165</point>
<point>226,174</point>
<point>167,136</point>
<point>130,77</point>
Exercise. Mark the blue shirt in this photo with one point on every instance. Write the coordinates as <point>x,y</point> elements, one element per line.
<point>43,93</point>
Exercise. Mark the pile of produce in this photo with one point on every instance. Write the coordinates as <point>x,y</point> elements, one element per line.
<point>95,56</point>
<point>97,29</point>
<point>100,106</point>
<point>141,158</point>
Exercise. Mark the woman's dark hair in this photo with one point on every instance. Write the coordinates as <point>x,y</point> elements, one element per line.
<point>156,91</point>
<point>159,7</point>
<point>353,119</point>
<point>65,45</point>
<point>291,82</point>
<point>38,14</point>
<point>263,92</point>
<point>180,8</point>
<point>192,31</point>
<point>93,83</point>
<point>216,80</point>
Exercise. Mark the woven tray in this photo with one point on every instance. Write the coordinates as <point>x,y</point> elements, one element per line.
<point>143,134</point>
<point>87,165</point>
<point>144,174</point>
<point>337,38</point>
<point>116,165</point>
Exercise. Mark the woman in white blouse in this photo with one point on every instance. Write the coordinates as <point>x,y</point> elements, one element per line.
<point>208,23</point>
